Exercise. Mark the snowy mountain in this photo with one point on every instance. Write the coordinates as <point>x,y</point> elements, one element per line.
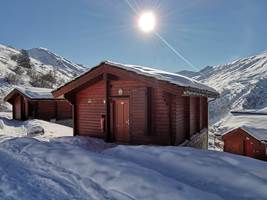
<point>46,70</point>
<point>242,84</point>
<point>62,64</point>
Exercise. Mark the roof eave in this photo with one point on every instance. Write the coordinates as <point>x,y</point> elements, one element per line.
<point>207,93</point>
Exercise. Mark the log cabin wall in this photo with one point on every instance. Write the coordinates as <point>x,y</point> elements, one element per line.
<point>45,110</point>
<point>164,123</point>
<point>89,108</point>
<point>17,108</point>
<point>64,110</point>
<point>235,142</point>
<point>158,111</point>
<point>51,109</point>
<point>181,129</point>
<point>137,93</point>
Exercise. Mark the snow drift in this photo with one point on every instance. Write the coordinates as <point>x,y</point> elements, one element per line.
<point>50,166</point>
<point>32,169</point>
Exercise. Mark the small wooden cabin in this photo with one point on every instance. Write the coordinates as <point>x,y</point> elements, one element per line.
<point>247,135</point>
<point>138,105</point>
<point>37,103</point>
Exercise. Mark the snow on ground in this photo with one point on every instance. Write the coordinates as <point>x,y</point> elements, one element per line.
<point>33,128</point>
<point>84,168</point>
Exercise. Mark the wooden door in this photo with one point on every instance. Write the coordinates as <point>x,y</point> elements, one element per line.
<point>249,148</point>
<point>121,120</point>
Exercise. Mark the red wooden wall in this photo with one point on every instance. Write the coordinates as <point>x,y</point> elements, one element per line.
<point>24,109</point>
<point>17,108</point>
<point>52,110</point>
<point>161,118</point>
<point>234,142</point>
<point>90,107</point>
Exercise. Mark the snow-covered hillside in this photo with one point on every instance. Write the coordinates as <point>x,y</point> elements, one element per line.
<point>42,62</point>
<point>82,168</point>
<point>58,62</point>
<point>242,84</point>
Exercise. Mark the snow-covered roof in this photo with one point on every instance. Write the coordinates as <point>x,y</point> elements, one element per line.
<point>36,93</point>
<point>169,77</point>
<point>253,124</point>
<point>173,78</point>
<point>33,92</point>
<point>262,111</point>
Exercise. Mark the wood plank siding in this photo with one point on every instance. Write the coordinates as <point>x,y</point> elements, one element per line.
<point>156,116</point>
<point>118,105</point>
<point>237,141</point>
<point>25,108</point>
<point>90,107</point>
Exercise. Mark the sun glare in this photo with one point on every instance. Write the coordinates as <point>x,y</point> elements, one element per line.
<point>147,21</point>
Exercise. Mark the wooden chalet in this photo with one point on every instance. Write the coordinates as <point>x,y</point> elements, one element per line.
<point>138,105</point>
<point>37,103</point>
<point>246,134</point>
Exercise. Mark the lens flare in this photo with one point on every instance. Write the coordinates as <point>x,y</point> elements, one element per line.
<point>147,21</point>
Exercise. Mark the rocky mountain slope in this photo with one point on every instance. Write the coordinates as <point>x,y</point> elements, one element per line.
<point>242,84</point>
<point>46,70</point>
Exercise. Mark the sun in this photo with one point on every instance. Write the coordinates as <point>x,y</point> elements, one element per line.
<point>147,21</point>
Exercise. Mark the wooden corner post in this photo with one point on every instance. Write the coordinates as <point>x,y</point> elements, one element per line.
<point>107,108</point>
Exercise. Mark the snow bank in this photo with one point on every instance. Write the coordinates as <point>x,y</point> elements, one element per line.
<point>51,166</point>
<point>35,128</point>
<point>2,125</point>
<point>65,169</point>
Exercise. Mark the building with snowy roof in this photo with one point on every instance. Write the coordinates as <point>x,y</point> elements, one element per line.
<point>139,105</point>
<point>37,103</point>
<point>245,133</point>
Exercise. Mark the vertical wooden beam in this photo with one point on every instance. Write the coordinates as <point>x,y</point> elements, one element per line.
<point>22,108</point>
<point>56,110</point>
<point>35,109</point>
<point>26,108</point>
<point>13,108</point>
<point>170,119</point>
<point>74,117</point>
<point>198,113</point>
<point>187,118</point>
<point>71,97</point>
<point>206,113</point>
<point>149,111</point>
<point>107,109</point>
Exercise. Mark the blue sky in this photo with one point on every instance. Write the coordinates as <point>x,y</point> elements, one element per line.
<point>206,32</point>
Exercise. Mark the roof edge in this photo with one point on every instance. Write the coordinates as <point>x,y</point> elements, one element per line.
<point>207,93</point>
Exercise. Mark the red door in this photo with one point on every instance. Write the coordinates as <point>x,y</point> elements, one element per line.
<point>249,149</point>
<point>121,120</point>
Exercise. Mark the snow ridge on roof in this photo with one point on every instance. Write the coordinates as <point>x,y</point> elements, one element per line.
<point>169,77</point>
<point>173,78</point>
<point>35,92</point>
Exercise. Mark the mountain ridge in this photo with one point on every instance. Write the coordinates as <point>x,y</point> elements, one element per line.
<point>44,64</point>
<point>241,83</point>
